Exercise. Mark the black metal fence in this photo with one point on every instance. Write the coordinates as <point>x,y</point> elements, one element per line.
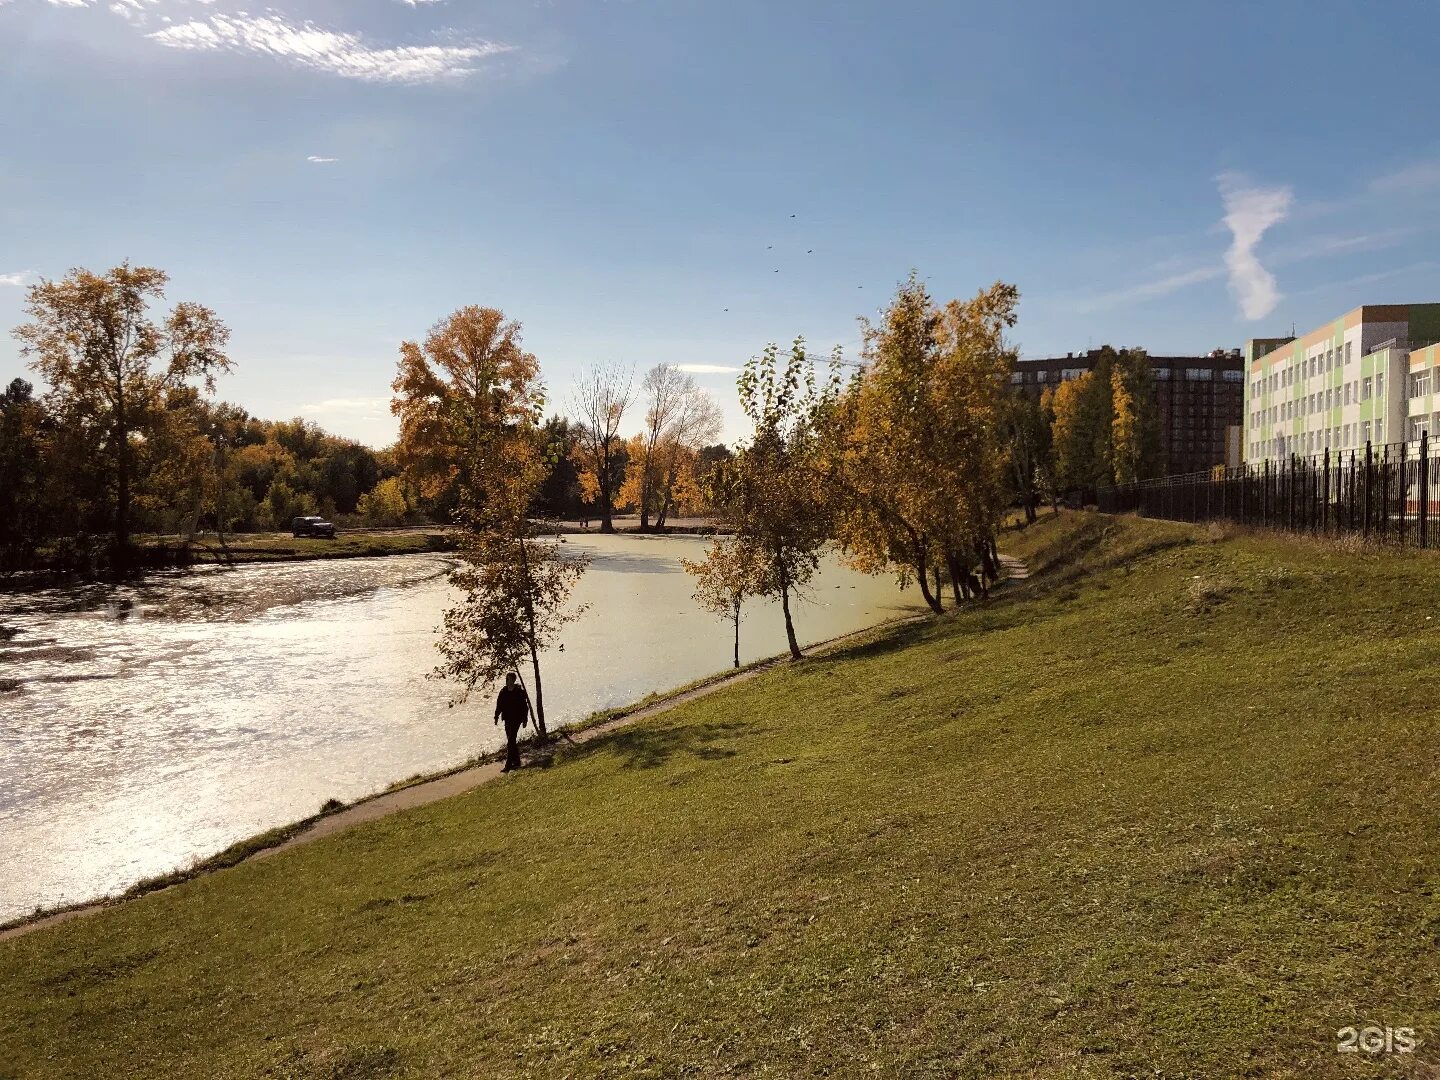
<point>1390,493</point>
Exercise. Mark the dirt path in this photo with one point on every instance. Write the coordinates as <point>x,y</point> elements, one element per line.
<point>463,780</point>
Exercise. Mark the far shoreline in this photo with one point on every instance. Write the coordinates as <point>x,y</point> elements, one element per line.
<point>249,549</point>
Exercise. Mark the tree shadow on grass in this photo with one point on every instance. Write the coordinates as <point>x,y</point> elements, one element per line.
<point>648,747</point>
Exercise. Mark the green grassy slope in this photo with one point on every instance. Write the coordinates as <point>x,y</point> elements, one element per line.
<point>1169,809</point>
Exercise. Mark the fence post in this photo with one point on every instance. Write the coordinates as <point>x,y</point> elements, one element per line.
<point>1369,479</point>
<point>1289,494</point>
<point>1266,504</point>
<point>1402,481</point>
<point>1325,511</point>
<point>1423,467</point>
<point>1385,492</point>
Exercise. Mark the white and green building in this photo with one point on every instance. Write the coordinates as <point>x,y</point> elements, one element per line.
<point>1368,377</point>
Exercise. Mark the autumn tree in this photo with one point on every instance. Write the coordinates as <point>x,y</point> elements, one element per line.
<point>1027,441</point>
<point>452,390</point>
<point>1136,447</point>
<point>470,402</point>
<point>114,367</point>
<point>680,417</point>
<point>385,504</point>
<point>600,400</point>
<point>916,443</point>
<point>694,422</point>
<point>1081,431</point>
<point>724,579</point>
<point>772,493</point>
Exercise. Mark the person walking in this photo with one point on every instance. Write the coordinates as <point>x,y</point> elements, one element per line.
<point>512,705</point>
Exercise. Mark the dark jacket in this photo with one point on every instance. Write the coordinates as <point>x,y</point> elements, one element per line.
<point>513,705</point>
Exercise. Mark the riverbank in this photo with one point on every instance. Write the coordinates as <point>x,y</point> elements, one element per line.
<point>1166,807</point>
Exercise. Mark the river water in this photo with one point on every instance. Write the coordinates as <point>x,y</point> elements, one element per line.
<point>147,725</point>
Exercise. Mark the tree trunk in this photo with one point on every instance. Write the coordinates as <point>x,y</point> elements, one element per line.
<point>957,586</point>
<point>122,491</point>
<point>606,505</point>
<point>795,653</point>
<point>737,634</point>
<point>540,733</point>
<point>1030,516</point>
<point>922,572</point>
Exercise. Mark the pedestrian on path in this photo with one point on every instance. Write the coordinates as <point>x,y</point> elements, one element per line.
<point>512,705</point>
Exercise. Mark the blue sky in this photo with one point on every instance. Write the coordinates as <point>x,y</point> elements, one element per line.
<point>332,176</point>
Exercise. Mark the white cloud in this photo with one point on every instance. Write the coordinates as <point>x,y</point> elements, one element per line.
<point>17,278</point>
<point>1249,212</point>
<point>707,369</point>
<point>334,52</point>
<point>316,159</point>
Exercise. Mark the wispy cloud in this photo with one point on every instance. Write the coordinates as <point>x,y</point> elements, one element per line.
<point>1349,285</point>
<point>1249,212</point>
<point>355,406</point>
<point>707,369</point>
<point>334,52</point>
<point>17,278</point>
<point>1323,246</point>
<point>316,159</point>
<point>1418,176</point>
<point>1146,290</point>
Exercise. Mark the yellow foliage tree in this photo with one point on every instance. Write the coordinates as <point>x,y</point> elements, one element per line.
<point>917,441</point>
<point>468,379</point>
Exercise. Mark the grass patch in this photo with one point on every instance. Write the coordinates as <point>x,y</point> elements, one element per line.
<point>347,545</point>
<point>1113,823</point>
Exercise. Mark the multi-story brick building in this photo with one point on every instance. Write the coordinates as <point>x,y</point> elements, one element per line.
<point>1197,398</point>
<point>1367,377</point>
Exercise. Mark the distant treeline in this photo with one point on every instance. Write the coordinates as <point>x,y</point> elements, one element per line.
<point>206,467</point>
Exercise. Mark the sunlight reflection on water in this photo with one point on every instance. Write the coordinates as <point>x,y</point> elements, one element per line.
<point>156,723</point>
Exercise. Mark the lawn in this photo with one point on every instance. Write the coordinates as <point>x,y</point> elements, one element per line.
<point>1167,809</point>
<point>352,543</point>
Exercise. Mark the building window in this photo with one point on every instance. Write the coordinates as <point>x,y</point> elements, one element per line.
<point>1420,383</point>
<point>1163,374</point>
<point>1366,386</point>
<point>1347,352</point>
<point>1419,425</point>
<point>1380,385</point>
<point>1379,431</point>
<point>1233,376</point>
<point>1071,373</point>
<point>1198,374</point>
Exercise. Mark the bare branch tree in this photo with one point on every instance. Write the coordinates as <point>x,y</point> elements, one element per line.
<point>600,400</point>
